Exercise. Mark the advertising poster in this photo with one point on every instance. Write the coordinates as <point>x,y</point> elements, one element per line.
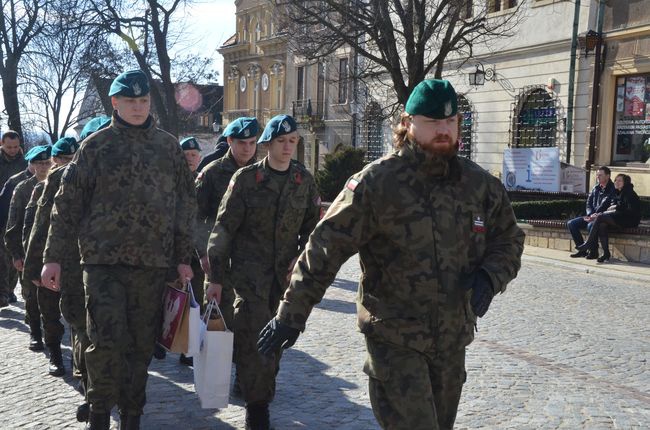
<point>635,96</point>
<point>532,169</point>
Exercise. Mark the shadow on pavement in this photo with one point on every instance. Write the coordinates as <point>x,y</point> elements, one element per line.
<point>345,285</point>
<point>335,305</point>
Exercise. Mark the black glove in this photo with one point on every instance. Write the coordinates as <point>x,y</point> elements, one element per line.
<point>276,335</point>
<point>482,292</point>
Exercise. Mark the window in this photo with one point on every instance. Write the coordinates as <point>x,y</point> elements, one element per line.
<point>300,83</point>
<point>632,119</point>
<point>465,109</point>
<point>343,80</point>
<point>498,5</point>
<point>466,10</point>
<point>374,132</point>
<point>536,122</point>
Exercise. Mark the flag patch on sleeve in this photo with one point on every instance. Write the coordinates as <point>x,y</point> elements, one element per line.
<point>352,184</point>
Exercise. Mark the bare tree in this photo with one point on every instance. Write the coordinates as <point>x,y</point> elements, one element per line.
<point>399,42</point>
<point>21,21</point>
<point>58,69</point>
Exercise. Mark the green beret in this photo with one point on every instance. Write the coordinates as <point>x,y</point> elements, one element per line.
<point>242,128</point>
<point>39,153</point>
<point>433,98</point>
<point>133,83</point>
<point>93,125</point>
<point>65,146</point>
<point>190,143</point>
<point>278,126</point>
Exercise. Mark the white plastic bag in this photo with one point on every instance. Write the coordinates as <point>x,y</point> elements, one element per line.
<point>213,363</point>
<point>194,323</point>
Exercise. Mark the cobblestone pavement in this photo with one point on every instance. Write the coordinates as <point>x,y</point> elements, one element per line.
<point>561,349</point>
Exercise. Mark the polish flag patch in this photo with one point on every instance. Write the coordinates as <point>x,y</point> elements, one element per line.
<point>352,184</point>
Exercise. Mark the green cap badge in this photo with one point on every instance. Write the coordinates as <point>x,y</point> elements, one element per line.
<point>433,98</point>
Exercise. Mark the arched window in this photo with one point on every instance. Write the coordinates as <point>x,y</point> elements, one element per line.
<point>374,132</point>
<point>465,109</point>
<point>536,121</point>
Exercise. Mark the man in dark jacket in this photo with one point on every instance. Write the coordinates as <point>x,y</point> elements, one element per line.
<point>599,200</point>
<point>220,150</point>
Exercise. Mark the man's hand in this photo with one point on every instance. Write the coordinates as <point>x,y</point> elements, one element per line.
<point>276,335</point>
<point>51,276</point>
<point>205,264</point>
<point>482,292</point>
<point>214,292</point>
<point>18,264</point>
<point>185,273</point>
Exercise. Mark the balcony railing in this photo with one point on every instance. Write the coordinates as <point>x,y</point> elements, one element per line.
<point>307,109</point>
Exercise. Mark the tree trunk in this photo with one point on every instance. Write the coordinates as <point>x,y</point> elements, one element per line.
<point>10,97</point>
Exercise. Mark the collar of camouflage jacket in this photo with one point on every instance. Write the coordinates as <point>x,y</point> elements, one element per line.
<point>122,127</point>
<point>263,172</point>
<point>231,164</point>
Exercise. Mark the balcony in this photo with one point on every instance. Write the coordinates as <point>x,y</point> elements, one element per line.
<point>308,112</point>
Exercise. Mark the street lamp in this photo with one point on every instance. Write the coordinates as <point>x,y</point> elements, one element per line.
<point>481,75</point>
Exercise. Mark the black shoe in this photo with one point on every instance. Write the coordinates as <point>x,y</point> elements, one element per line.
<point>83,412</point>
<point>129,422</point>
<point>36,343</point>
<point>579,254</point>
<point>188,361</point>
<point>604,258</point>
<point>56,360</point>
<point>13,298</point>
<point>99,421</point>
<point>257,417</point>
<point>4,302</point>
<point>159,352</point>
<point>592,256</point>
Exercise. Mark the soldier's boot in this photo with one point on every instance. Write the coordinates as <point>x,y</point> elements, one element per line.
<point>4,302</point>
<point>257,417</point>
<point>56,360</point>
<point>236,387</point>
<point>35,337</point>
<point>83,412</point>
<point>129,422</point>
<point>99,421</point>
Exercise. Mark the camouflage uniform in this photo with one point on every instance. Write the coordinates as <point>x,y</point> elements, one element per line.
<point>14,242</point>
<point>8,274</point>
<point>10,166</point>
<point>421,226</point>
<point>128,197</point>
<point>260,229</point>
<point>211,185</point>
<point>37,222</point>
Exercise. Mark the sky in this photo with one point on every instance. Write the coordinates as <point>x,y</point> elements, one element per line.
<point>209,24</point>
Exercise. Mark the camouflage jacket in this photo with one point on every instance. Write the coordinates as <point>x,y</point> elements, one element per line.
<point>260,229</point>
<point>41,225</point>
<point>129,198</point>
<point>6,194</point>
<point>16,220</point>
<point>30,214</point>
<point>10,166</point>
<point>211,185</point>
<point>420,226</point>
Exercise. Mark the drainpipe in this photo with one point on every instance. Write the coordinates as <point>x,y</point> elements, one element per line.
<point>595,96</point>
<point>572,81</point>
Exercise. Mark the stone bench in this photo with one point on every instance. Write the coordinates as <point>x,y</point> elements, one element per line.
<point>631,244</point>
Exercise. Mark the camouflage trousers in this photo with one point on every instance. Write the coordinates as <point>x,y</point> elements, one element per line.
<point>255,372</point>
<point>124,310</point>
<point>48,306</point>
<point>73,309</point>
<point>32,312</point>
<point>414,390</point>
<point>8,274</point>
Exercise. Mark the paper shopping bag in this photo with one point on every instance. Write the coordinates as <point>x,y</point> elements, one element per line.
<point>194,325</point>
<point>174,334</point>
<point>212,365</point>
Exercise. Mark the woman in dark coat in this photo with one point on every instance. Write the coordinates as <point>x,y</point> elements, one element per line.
<point>625,212</point>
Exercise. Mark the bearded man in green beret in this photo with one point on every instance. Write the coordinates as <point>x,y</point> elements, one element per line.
<point>437,239</point>
<point>128,197</point>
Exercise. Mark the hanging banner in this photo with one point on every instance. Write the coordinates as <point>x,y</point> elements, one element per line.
<point>532,169</point>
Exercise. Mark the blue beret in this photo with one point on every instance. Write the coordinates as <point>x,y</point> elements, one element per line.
<point>39,153</point>
<point>242,128</point>
<point>93,125</point>
<point>277,126</point>
<point>433,98</point>
<point>190,143</point>
<point>65,146</point>
<point>133,83</point>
